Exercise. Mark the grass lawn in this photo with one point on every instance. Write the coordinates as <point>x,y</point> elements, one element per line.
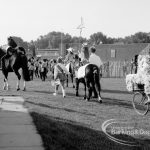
<point>74,124</point>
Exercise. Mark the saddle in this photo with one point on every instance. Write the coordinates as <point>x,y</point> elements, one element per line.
<point>81,72</point>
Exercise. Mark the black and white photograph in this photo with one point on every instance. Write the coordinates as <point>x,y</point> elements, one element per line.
<point>74,75</point>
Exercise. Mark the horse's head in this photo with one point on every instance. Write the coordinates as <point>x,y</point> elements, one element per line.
<point>11,42</point>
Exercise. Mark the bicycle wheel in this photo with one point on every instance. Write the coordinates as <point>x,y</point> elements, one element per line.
<point>138,102</point>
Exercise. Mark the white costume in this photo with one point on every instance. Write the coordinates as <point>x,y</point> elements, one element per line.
<point>142,76</point>
<point>94,59</point>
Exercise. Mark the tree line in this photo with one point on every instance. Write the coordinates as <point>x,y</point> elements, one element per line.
<point>53,40</point>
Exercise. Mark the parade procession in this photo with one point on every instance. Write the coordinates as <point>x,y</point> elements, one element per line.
<point>75,75</point>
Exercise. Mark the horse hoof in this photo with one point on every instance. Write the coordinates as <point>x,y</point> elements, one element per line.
<point>73,86</point>
<point>18,89</point>
<point>84,97</point>
<point>100,101</point>
<point>77,94</point>
<point>87,99</point>
<point>24,89</point>
<point>4,88</point>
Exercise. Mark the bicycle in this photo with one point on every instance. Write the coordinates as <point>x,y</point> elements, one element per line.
<point>139,99</point>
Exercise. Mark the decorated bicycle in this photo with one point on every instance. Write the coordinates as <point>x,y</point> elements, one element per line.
<point>139,83</point>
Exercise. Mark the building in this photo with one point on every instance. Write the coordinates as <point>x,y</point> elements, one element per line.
<point>123,52</point>
<point>48,53</point>
<point>117,58</point>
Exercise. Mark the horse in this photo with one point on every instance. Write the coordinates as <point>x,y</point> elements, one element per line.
<point>89,75</point>
<point>12,63</point>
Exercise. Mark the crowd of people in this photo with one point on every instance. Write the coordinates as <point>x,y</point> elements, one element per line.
<point>38,68</point>
<point>59,67</point>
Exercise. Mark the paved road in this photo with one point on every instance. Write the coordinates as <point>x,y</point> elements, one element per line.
<point>17,131</point>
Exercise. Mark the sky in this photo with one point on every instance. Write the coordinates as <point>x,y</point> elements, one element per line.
<point>29,19</point>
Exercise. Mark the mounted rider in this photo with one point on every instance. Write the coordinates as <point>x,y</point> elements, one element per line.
<point>69,60</point>
<point>11,47</point>
<point>95,59</point>
<point>70,55</point>
<point>84,54</point>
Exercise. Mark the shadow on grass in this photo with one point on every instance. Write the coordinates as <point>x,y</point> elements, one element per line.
<point>42,92</point>
<point>58,108</point>
<point>59,134</point>
<point>121,103</point>
<point>107,101</point>
<point>115,91</point>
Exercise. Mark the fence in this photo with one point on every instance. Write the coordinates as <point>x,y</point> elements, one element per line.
<point>117,69</point>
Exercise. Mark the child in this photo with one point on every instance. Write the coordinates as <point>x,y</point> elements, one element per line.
<point>60,72</point>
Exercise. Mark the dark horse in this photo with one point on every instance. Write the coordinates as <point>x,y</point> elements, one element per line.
<point>91,80</point>
<point>12,63</point>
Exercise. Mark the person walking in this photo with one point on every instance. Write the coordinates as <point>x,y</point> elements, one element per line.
<point>60,72</point>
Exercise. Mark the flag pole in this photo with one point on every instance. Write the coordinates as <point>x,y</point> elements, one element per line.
<point>80,27</point>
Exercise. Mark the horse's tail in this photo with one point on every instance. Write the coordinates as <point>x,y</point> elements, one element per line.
<point>25,70</point>
<point>96,73</point>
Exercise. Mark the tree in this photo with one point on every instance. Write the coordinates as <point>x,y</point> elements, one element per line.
<point>32,48</point>
<point>140,37</point>
<point>98,38</point>
<point>20,42</point>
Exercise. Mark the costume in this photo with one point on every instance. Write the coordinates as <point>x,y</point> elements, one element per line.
<point>95,59</point>
<point>142,77</point>
<point>60,69</point>
<point>84,55</point>
<point>60,72</point>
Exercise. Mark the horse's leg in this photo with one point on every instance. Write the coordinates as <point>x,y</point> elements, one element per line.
<point>18,85</point>
<point>67,81</point>
<point>19,77</point>
<point>98,89</point>
<point>94,90</point>
<point>24,85</point>
<point>77,86</point>
<point>71,75</point>
<point>84,88</point>
<point>5,87</point>
<point>89,89</point>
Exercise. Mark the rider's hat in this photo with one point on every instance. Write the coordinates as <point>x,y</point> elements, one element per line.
<point>70,49</point>
<point>11,42</point>
<point>85,44</point>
